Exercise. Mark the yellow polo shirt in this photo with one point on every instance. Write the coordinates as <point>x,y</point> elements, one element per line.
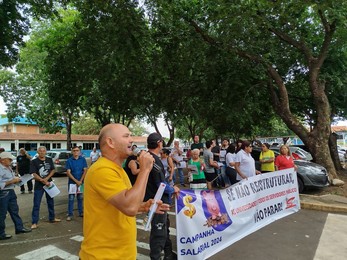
<point>108,233</point>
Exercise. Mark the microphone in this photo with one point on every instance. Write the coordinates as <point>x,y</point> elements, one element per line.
<point>156,167</point>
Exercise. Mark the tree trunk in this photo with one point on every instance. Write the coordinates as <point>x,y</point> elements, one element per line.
<point>68,131</point>
<point>334,152</point>
<point>318,144</point>
<point>316,140</point>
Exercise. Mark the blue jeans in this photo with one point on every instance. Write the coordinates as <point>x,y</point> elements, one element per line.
<point>8,202</point>
<point>37,202</point>
<point>79,204</point>
<point>225,177</point>
<point>181,175</point>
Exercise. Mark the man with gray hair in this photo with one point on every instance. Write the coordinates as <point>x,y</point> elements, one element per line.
<point>43,169</point>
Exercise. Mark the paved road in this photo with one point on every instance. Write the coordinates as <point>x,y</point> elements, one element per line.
<point>305,235</point>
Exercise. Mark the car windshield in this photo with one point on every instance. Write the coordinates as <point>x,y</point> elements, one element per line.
<point>50,154</point>
<point>64,156</point>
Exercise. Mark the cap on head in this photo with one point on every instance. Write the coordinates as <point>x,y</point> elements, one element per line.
<point>8,155</point>
<point>154,138</point>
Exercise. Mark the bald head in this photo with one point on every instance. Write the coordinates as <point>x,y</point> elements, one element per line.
<point>115,142</point>
<point>108,131</point>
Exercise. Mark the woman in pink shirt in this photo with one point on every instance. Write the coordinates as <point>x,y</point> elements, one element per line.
<point>284,160</point>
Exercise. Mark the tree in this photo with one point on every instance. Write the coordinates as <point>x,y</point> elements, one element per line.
<point>86,125</point>
<point>287,42</point>
<point>112,49</point>
<point>15,24</point>
<point>46,73</point>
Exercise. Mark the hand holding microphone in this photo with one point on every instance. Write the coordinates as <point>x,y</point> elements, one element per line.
<point>137,152</point>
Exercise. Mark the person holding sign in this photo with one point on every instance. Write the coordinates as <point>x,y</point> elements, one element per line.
<point>267,159</point>
<point>43,169</point>
<point>111,202</point>
<point>244,162</point>
<point>8,198</point>
<point>285,160</point>
<point>76,169</point>
<point>196,168</point>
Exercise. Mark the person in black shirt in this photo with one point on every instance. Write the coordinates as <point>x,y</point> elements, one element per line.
<point>43,169</point>
<point>23,167</point>
<point>132,167</point>
<point>160,235</point>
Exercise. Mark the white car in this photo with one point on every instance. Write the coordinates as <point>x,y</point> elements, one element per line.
<point>14,161</point>
<point>342,156</point>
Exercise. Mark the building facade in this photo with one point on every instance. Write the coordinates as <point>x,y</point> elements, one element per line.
<point>25,134</point>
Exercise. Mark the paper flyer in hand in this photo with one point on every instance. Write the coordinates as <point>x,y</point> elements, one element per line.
<point>52,189</point>
<point>24,179</point>
<point>73,189</point>
<point>193,169</point>
<point>154,206</point>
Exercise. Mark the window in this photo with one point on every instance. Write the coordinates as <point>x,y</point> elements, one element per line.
<point>56,145</point>
<point>88,146</point>
<point>48,146</point>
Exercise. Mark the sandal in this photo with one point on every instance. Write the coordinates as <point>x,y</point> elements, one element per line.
<point>34,226</point>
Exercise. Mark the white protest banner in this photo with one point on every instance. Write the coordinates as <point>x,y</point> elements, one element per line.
<point>208,221</point>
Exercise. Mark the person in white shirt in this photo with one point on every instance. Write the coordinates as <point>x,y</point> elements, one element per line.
<point>176,155</point>
<point>245,164</point>
<point>230,159</point>
<point>94,155</point>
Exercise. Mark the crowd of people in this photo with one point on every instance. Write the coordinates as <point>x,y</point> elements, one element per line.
<point>226,164</point>
<point>122,182</point>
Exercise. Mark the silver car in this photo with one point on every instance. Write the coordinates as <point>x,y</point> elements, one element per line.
<point>59,159</point>
<point>310,175</point>
<point>304,155</point>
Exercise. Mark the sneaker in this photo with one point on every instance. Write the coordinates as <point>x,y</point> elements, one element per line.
<point>34,226</point>
<point>68,218</point>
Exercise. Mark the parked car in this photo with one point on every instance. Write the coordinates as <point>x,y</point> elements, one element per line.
<point>297,152</point>
<point>14,161</point>
<point>342,156</point>
<point>310,175</point>
<point>59,159</point>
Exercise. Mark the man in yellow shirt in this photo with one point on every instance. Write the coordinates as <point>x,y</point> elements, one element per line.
<point>110,202</point>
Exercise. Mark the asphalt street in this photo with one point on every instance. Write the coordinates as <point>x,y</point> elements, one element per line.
<point>305,235</point>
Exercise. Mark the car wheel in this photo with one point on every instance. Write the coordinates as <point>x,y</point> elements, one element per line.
<point>301,185</point>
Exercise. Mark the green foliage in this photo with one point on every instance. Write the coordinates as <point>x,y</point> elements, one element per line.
<point>15,24</point>
<point>137,128</point>
<point>86,125</point>
<point>203,65</point>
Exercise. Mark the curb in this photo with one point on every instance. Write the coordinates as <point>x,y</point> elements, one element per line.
<point>323,207</point>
